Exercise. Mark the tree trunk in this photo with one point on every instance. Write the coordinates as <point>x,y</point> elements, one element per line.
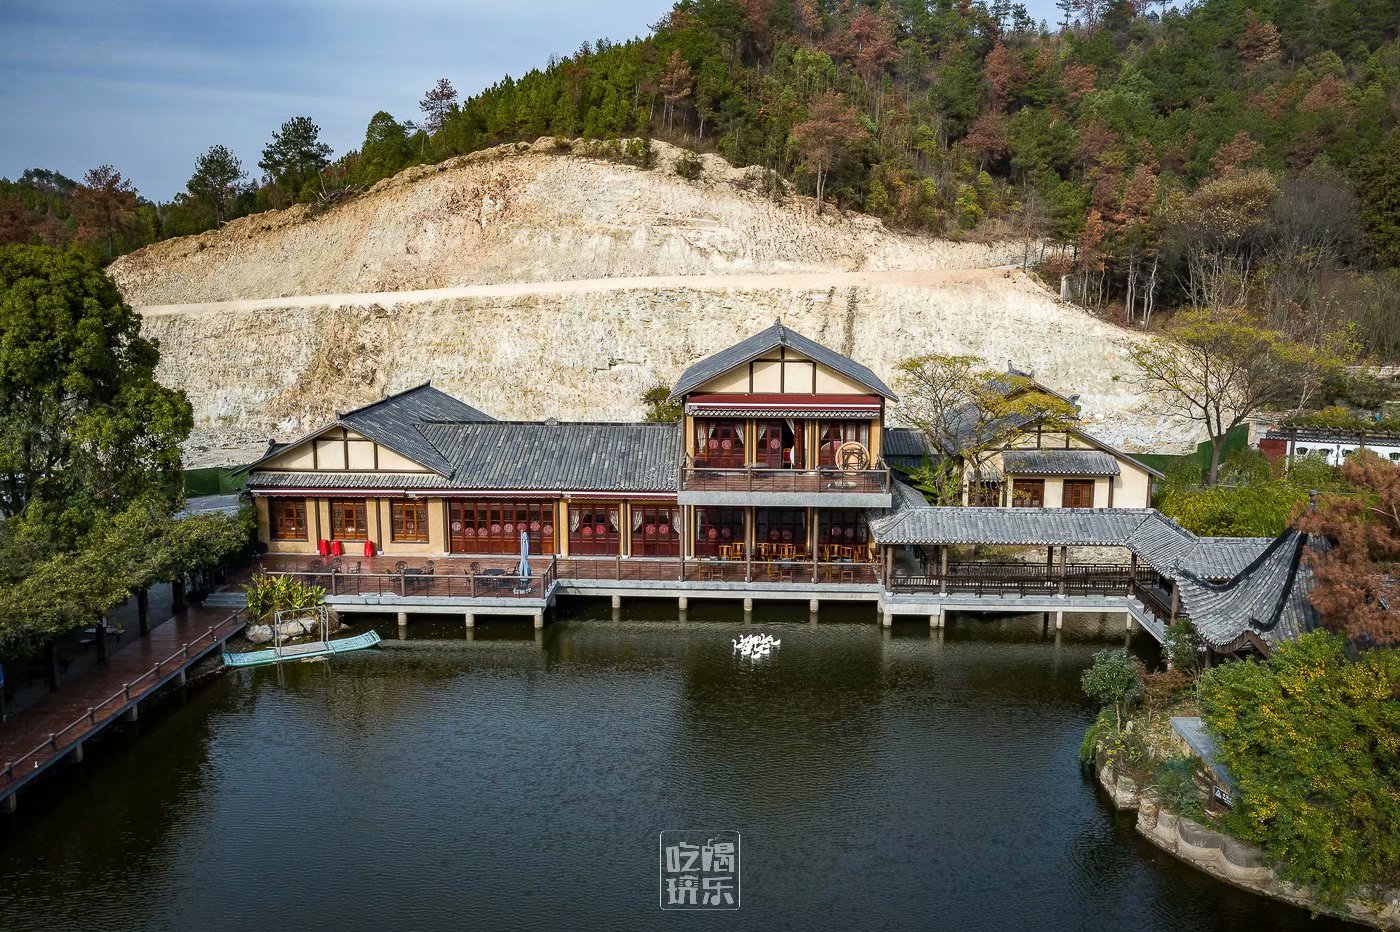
<point>177,595</point>
<point>1217,452</point>
<point>51,665</point>
<point>143,611</point>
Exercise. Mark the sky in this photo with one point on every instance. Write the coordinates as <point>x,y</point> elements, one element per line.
<point>147,85</point>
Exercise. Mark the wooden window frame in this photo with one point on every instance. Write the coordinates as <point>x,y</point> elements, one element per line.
<point>478,516</point>
<point>275,524</point>
<point>360,507</point>
<point>1078,484</point>
<point>655,530</point>
<point>1019,498</point>
<point>397,525</point>
<point>767,521</point>
<point>719,518</point>
<point>832,435</point>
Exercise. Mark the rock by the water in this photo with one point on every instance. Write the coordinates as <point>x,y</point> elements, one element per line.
<point>258,634</point>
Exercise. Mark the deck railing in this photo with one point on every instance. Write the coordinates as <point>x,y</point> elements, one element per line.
<point>1030,579</point>
<point>61,741</point>
<point>826,480</point>
<point>436,582</point>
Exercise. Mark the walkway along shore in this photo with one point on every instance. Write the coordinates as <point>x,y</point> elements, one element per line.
<point>58,725</point>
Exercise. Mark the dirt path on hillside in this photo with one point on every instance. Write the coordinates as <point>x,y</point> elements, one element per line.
<point>748,281</point>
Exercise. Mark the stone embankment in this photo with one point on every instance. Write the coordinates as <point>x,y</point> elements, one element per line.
<point>1232,860</point>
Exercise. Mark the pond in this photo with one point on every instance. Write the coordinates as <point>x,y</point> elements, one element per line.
<point>879,779</point>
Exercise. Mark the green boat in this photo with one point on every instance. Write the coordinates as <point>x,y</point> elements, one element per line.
<point>257,658</point>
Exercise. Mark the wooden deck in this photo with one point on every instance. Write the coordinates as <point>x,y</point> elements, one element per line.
<point>37,737</point>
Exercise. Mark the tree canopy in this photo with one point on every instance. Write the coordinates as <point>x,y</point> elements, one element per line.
<point>84,425</point>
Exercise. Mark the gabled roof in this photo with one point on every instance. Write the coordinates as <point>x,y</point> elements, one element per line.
<point>1221,558</point>
<point>1267,602</point>
<point>393,422</point>
<point>559,456</point>
<point>1059,463</point>
<point>746,351</point>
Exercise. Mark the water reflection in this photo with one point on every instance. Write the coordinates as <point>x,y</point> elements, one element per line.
<point>501,777</point>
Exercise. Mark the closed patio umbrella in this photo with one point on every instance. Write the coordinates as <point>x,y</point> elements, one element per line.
<point>524,555</point>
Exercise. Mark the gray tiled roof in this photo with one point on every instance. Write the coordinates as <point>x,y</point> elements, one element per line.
<point>1268,600</point>
<point>904,446</point>
<point>1221,558</point>
<point>777,335</point>
<point>393,422</point>
<point>1144,531</point>
<point>1059,463</point>
<point>559,456</point>
<point>329,479</point>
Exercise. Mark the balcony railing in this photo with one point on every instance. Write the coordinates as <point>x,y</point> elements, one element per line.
<point>1031,579</point>
<point>701,478</point>
<point>432,581</point>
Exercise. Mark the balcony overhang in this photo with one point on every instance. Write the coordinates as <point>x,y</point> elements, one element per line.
<point>810,499</point>
<point>828,407</point>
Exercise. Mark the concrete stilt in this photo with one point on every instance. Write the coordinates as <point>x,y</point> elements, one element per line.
<point>77,754</point>
<point>1127,621</point>
<point>682,603</point>
<point>10,803</point>
<point>181,678</point>
<point>887,620</point>
<point>814,605</point>
<point>748,606</point>
<point>403,619</point>
<point>617,601</point>
<point>933,620</point>
<point>469,619</point>
<point>539,619</point>
<point>1059,619</point>
<point>132,714</point>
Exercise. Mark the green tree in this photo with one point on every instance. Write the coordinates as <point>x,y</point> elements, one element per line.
<point>1219,369</point>
<point>295,155</point>
<point>660,409</point>
<point>1115,679</point>
<point>215,182</point>
<point>385,150</point>
<point>1378,184</point>
<point>84,425</point>
<point>1312,741</point>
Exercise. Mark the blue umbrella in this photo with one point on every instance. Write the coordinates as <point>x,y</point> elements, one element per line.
<point>524,555</point>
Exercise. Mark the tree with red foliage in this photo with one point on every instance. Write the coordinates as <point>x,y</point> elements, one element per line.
<point>104,204</point>
<point>1237,153</point>
<point>987,138</point>
<point>826,138</point>
<point>677,82</point>
<point>1356,587</point>
<point>1004,74</point>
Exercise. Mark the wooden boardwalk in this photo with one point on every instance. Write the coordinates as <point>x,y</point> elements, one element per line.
<point>37,737</point>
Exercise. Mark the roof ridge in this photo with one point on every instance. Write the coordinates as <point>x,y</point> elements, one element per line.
<point>360,410</point>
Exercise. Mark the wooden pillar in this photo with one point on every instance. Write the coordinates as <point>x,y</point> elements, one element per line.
<point>685,541</point>
<point>1176,603</point>
<point>143,611</point>
<point>748,543</point>
<point>943,568</point>
<point>889,567</point>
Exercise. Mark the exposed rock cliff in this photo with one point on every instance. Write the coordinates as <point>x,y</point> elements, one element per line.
<point>534,283</point>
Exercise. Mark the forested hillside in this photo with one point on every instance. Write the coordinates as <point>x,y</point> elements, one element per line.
<point>1237,153</point>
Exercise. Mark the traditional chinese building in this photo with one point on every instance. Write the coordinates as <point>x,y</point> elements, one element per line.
<point>777,482</point>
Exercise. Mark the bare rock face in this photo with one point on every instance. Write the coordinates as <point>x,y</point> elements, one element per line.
<point>537,282</point>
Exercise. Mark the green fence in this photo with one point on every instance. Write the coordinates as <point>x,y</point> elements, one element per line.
<point>1163,462</point>
<point>216,480</point>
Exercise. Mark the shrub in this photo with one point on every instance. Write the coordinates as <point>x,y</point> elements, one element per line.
<point>268,595</point>
<point>1184,648</point>
<point>688,166</point>
<point>1115,680</point>
<point>1176,787</point>
<point>1313,744</point>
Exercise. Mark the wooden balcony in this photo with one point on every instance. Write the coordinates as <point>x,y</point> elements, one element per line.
<point>837,488</point>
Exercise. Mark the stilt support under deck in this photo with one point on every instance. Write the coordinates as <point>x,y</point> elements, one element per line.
<point>886,619</point>
<point>1059,619</point>
<point>539,619</point>
<point>403,619</point>
<point>617,601</point>
<point>682,603</point>
<point>814,605</point>
<point>469,619</point>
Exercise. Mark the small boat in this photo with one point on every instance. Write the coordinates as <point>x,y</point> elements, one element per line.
<point>257,658</point>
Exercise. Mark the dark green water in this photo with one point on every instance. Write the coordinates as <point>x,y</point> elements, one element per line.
<point>880,781</point>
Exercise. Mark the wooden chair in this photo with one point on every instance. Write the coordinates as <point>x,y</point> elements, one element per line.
<point>400,566</point>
